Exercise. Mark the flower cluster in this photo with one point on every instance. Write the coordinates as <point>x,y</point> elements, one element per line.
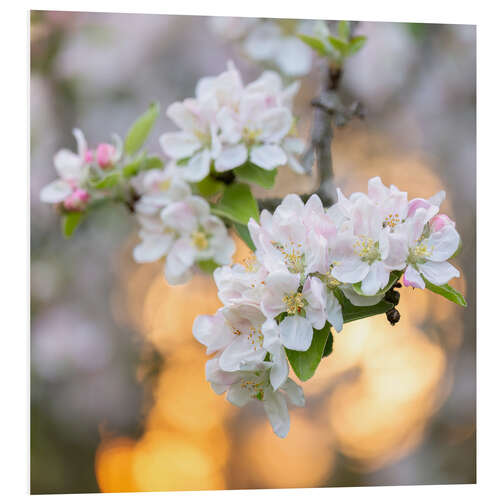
<point>178,225</point>
<point>228,124</point>
<point>308,262</point>
<point>76,171</point>
<point>269,41</point>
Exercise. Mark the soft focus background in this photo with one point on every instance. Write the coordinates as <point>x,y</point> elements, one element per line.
<point>118,397</point>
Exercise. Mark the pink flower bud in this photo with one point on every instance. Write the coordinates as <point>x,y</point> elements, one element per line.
<point>440,221</point>
<point>89,156</point>
<point>104,155</point>
<point>77,200</point>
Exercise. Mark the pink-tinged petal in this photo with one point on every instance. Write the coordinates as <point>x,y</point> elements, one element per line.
<point>443,244</point>
<point>412,278</point>
<point>152,247</point>
<point>376,190</point>
<point>231,157</point>
<point>397,251</point>
<point>417,203</point>
<point>274,124</point>
<point>315,294</point>
<point>268,156</point>
<point>180,216</point>
<point>278,284</point>
<point>296,333</point>
<point>55,192</point>
<point>215,375</point>
<point>277,413</point>
<point>377,278</point>
<point>179,145</point>
<point>438,222</point>
<point>213,332</point>
<point>77,200</point>
<point>241,350</point>
<point>438,273</point>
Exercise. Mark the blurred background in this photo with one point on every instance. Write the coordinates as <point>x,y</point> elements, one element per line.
<point>119,400</point>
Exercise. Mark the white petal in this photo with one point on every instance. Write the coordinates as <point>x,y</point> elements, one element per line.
<point>262,43</point>
<point>294,392</point>
<point>238,395</point>
<point>277,412</point>
<point>55,192</point>
<point>438,273</point>
<point>81,142</point>
<point>229,125</point>
<point>268,156</point>
<point>314,293</point>
<point>68,164</point>
<point>275,123</point>
<point>153,247</point>
<point>183,117</point>
<point>359,300</point>
<point>179,144</point>
<point>279,370</point>
<point>443,244</point>
<point>179,262</point>
<point>296,333</point>
<point>212,331</point>
<point>334,312</point>
<point>239,351</point>
<point>294,57</point>
<point>198,167</point>
<point>231,157</point>
<point>377,278</point>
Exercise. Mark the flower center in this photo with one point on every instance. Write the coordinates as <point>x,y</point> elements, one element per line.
<point>203,137</point>
<point>294,303</point>
<point>250,136</point>
<point>392,220</point>
<point>255,337</point>
<point>255,388</point>
<point>419,254</point>
<point>200,240</point>
<point>250,264</point>
<point>165,185</point>
<point>367,249</point>
<point>294,258</point>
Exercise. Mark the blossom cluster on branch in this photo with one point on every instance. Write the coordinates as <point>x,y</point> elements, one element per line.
<point>313,269</point>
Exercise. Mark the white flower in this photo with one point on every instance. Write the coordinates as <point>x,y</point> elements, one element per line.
<point>186,233</point>
<point>253,383</point>
<point>432,241</point>
<point>72,169</point>
<point>159,188</point>
<point>369,251</point>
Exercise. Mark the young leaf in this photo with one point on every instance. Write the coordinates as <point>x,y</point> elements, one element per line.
<point>356,44</point>
<point>314,43</point>
<point>140,129</point>
<point>209,186</point>
<point>132,168</point>
<point>304,363</point>
<point>152,162</point>
<point>344,30</point>
<point>244,234</point>
<point>252,173</point>
<point>237,204</point>
<point>351,312</point>
<point>339,45</point>
<point>109,181</point>
<point>447,292</point>
<point>328,346</point>
<point>70,222</point>
<point>207,266</point>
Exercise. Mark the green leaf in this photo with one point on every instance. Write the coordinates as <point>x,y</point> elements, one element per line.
<point>448,292</point>
<point>207,266</point>
<point>351,312</point>
<point>356,44</point>
<point>328,346</point>
<point>140,129</point>
<point>344,30</point>
<point>140,164</point>
<point>244,234</point>
<point>339,45</point>
<point>209,186</point>
<point>393,278</point>
<point>132,168</point>
<point>237,204</point>
<point>152,162</point>
<point>257,175</point>
<point>314,43</point>
<point>304,363</point>
<point>70,222</point>
<point>109,181</point>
